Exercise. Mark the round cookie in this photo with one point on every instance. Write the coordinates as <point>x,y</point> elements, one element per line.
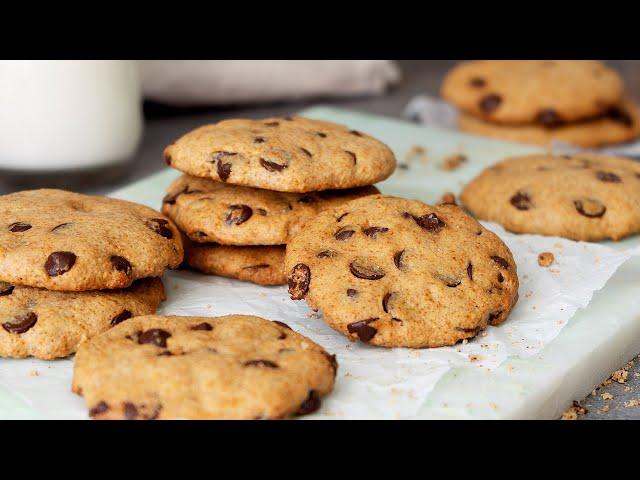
<point>208,211</point>
<point>582,197</point>
<point>231,367</point>
<point>261,265</point>
<point>617,125</point>
<point>47,325</point>
<point>66,241</point>
<point>546,92</point>
<point>291,154</point>
<point>399,273</point>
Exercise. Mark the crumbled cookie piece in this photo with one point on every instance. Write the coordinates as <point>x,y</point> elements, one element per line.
<point>606,396</point>
<point>632,404</point>
<point>573,411</point>
<point>620,376</point>
<point>447,198</point>
<point>453,161</point>
<point>545,259</point>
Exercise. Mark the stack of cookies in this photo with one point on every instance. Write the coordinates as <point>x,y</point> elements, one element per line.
<point>537,102</point>
<point>251,185</point>
<point>73,266</point>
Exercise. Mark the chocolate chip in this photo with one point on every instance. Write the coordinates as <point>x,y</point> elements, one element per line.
<point>6,289</point>
<point>344,233</point>
<point>121,264</point>
<point>620,116</point>
<point>385,302</point>
<point>238,214</point>
<point>19,227</point>
<point>259,140</point>
<point>550,118</point>
<point>272,166</point>
<point>500,277</point>
<point>306,199</point>
<point>59,263</point>
<point>261,211</point>
<point>203,326</point>
<point>470,271</point>
<point>272,124</point>
<point>468,330</point>
<point>353,156</point>
<point>362,329</point>
<point>339,219</point>
<point>306,152</point>
<point>500,261</point>
<point>159,225</point>
<point>298,281</point>
<point>310,405</point>
<point>490,102</point>
<point>154,336</point>
<point>282,324</point>
<point>170,198</point>
<point>494,316</point>
<point>521,201</point>
<point>351,292</point>
<point>261,364</point>
<point>477,82</point>
<point>608,177</point>
<point>130,411</point>
<point>99,409</point>
<point>590,207</point>
<point>224,170</point>
<point>332,361</point>
<point>448,280</point>
<point>326,254</point>
<point>430,222</point>
<point>374,231</point>
<point>62,226</point>
<point>362,270</point>
<point>321,134</point>
<point>121,317</point>
<point>167,159</point>
<point>397,259</point>
<point>21,323</point>
<point>355,132</point>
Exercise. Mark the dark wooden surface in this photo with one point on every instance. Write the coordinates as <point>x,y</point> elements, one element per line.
<point>163,125</point>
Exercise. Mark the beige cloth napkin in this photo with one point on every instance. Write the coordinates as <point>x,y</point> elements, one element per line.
<point>224,82</point>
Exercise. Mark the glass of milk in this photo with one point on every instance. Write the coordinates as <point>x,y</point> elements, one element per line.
<point>66,116</point>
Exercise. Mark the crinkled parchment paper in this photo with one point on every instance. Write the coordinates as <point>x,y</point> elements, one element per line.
<point>372,382</point>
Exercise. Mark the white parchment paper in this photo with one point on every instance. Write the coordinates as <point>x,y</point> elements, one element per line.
<point>372,383</point>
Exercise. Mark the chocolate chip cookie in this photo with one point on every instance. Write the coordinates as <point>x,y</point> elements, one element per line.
<point>45,324</point>
<point>231,367</point>
<point>262,265</point>
<point>208,211</point>
<point>290,154</point>
<point>66,241</point>
<point>546,92</point>
<point>582,197</point>
<point>399,273</point>
<point>617,125</point>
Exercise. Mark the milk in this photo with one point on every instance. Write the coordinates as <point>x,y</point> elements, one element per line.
<point>60,115</point>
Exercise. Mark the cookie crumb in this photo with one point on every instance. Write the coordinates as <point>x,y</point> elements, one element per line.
<point>447,198</point>
<point>34,373</point>
<point>573,411</point>
<point>605,409</point>
<point>474,358</point>
<point>453,161</point>
<point>632,404</point>
<point>545,259</point>
<point>620,376</point>
<point>416,152</point>
<point>607,396</point>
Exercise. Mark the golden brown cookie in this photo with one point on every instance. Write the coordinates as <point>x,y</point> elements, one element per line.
<point>291,154</point>
<point>208,211</point>
<point>617,125</point>
<point>66,241</point>
<point>399,273</point>
<point>231,367</point>
<point>47,325</point>
<point>582,197</point>
<point>262,265</point>
<point>547,92</point>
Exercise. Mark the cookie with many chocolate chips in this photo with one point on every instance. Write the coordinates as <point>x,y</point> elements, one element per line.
<point>291,154</point>
<point>617,125</point>
<point>262,265</point>
<point>66,241</point>
<point>231,367</point>
<point>546,92</point>
<point>399,273</point>
<point>46,324</point>
<point>582,197</point>
<point>208,211</point>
